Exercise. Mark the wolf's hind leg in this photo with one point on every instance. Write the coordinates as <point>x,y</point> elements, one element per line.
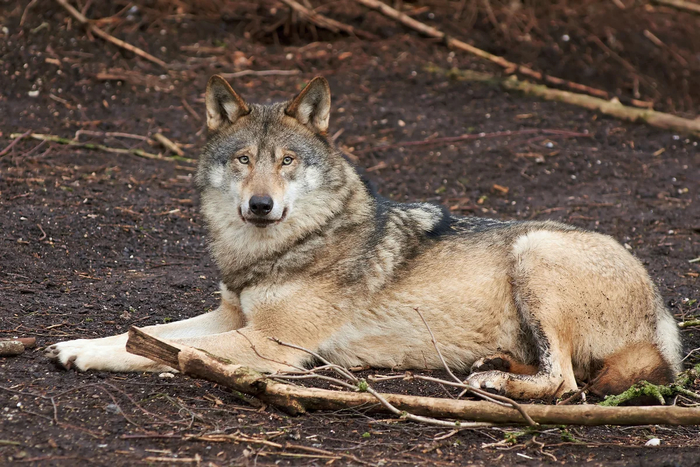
<point>503,362</point>
<point>539,278</point>
<point>554,377</point>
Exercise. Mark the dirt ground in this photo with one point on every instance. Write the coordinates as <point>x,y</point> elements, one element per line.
<point>94,242</point>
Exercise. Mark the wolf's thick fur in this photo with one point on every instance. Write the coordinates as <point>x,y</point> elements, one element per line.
<point>310,256</point>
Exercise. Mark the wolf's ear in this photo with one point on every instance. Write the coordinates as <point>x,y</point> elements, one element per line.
<point>312,106</point>
<point>223,104</point>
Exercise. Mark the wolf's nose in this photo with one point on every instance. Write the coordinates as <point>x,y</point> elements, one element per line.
<point>261,205</point>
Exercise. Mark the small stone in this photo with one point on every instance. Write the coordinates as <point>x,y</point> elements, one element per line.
<point>112,408</point>
<point>167,374</point>
<point>653,442</point>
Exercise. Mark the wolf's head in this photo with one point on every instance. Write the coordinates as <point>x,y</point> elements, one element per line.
<point>268,172</point>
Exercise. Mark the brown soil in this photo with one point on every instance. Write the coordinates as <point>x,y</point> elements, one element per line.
<point>93,242</point>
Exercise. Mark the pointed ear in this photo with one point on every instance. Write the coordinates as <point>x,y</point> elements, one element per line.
<point>312,107</point>
<point>223,104</point>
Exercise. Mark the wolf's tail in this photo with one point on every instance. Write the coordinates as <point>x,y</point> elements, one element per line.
<point>657,362</point>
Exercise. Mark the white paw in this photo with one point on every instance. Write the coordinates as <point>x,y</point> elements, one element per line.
<point>495,381</point>
<point>99,354</point>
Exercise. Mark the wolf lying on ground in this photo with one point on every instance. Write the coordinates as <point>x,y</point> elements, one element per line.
<point>310,256</point>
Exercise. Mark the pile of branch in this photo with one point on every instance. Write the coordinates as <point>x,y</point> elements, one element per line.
<point>297,400</point>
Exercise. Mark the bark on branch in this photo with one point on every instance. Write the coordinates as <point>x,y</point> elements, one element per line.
<point>296,399</point>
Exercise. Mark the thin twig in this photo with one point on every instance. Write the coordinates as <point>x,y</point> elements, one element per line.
<point>102,147</point>
<point>314,376</point>
<point>337,368</point>
<point>110,134</point>
<point>162,139</point>
<point>578,393</point>
<point>18,137</point>
<point>43,234</point>
<point>363,386</point>
<point>325,22</point>
<point>108,37</point>
<point>689,354</point>
<point>29,6</point>
<point>437,349</point>
<point>487,395</point>
<point>420,418</point>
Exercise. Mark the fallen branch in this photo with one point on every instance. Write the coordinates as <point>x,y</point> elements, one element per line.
<point>108,37</point>
<point>327,23</point>
<point>680,5</point>
<point>297,400</point>
<point>102,147</point>
<point>611,108</point>
<point>457,44</point>
<point>10,348</point>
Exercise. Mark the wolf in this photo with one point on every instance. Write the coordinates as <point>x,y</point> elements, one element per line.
<point>311,256</point>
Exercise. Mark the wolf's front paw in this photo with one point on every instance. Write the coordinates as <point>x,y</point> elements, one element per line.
<point>80,354</point>
<point>495,381</point>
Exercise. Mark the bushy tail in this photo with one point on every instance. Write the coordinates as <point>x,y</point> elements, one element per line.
<point>636,362</point>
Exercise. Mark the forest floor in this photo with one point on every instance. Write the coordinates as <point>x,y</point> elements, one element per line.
<point>94,242</point>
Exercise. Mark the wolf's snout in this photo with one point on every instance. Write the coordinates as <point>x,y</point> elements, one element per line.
<point>261,205</point>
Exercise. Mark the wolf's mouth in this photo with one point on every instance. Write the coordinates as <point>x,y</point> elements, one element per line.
<point>262,222</point>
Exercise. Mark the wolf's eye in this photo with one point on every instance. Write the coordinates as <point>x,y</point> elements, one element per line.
<point>243,159</point>
<point>287,160</point>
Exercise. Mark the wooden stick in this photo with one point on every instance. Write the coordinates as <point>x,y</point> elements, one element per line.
<point>611,108</point>
<point>689,323</point>
<point>108,37</point>
<point>297,399</point>
<point>10,348</point>
<point>18,137</point>
<point>680,5</point>
<point>457,44</point>
<point>102,147</point>
<point>327,23</point>
<point>162,139</point>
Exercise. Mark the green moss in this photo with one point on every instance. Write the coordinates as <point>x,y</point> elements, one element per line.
<point>658,392</point>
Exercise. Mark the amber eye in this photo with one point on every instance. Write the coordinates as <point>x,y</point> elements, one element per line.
<point>244,159</point>
<point>287,160</point>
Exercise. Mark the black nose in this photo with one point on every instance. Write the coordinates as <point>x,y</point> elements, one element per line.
<point>261,205</point>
